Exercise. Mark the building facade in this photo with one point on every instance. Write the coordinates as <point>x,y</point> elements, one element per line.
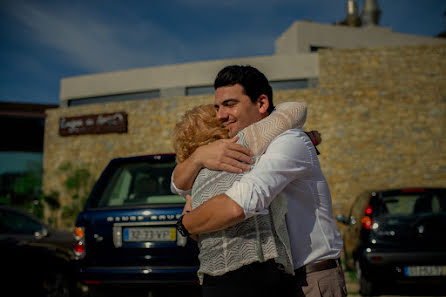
<point>294,64</point>
<point>381,112</point>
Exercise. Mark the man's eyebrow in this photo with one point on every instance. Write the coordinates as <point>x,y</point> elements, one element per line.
<point>229,100</point>
<point>226,101</point>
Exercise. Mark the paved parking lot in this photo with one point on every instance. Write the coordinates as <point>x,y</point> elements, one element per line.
<point>350,279</point>
<point>394,291</point>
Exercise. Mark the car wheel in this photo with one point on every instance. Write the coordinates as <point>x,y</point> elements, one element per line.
<point>366,287</point>
<point>56,284</point>
<point>346,259</point>
<point>96,292</point>
<point>100,291</point>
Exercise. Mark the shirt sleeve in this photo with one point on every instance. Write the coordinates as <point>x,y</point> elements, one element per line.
<point>289,157</point>
<point>177,191</point>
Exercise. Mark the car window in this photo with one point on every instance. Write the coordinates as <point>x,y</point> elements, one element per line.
<point>15,223</point>
<point>140,183</point>
<point>414,204</point>
<point>118,189</point>
<point>395,205</point>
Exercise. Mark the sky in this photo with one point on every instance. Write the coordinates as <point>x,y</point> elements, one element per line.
<point>43,41</point>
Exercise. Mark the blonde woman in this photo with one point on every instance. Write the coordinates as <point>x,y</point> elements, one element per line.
<point>259,239</point>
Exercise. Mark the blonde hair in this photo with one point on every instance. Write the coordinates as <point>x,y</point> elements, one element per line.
<point>198,126</point>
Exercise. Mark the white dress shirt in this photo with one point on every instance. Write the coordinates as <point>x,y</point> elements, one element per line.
<point>290,167</point>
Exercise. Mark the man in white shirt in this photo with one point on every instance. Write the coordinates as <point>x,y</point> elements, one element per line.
<point>289,167</point>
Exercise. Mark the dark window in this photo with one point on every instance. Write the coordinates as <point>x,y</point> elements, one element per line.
<point>22,134</point>
<point>314,49</point>
<point>115,98</point>
<point>290,84</point>
<point>414,203</point>
<point>14,223</point>
<point>203,90</point>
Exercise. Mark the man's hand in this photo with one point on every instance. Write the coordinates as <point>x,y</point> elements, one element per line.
<point>224,155</point>
<point>315,137</point>
<point>188,208</point>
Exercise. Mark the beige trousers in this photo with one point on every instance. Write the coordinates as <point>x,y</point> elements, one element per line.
<point>325,283</point>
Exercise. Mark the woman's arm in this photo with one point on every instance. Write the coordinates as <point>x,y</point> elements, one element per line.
<point>286,116</point>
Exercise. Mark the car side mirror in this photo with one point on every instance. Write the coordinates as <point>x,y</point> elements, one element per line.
<point>342,219</point>
<point>42,233</point>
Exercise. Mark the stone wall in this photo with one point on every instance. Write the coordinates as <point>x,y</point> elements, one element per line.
<point>381,113</point>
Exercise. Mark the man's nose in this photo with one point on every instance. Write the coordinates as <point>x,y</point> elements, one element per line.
<point>221,114</point>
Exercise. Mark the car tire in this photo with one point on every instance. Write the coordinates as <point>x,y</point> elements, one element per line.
<point>346,258</point>
<point>105,291</point>
<point>95,291</point>
<point>56,284</point>
<point>366,287</point>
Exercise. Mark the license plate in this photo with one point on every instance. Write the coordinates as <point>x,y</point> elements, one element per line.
<point>142,234</point>
<point>424,271</point>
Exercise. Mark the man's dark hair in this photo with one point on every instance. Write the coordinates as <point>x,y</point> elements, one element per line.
<point>251,79</point>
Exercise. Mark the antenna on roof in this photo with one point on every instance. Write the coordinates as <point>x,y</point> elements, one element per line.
<point>370,13</point>
<point>352,19</point>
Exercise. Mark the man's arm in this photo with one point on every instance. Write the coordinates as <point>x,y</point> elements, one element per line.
<point>223,154</point>
<point>218,213</point>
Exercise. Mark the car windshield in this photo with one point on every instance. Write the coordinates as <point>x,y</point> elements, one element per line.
<point>16,223</point>
<point>139,183</point>
<point>413,203</point>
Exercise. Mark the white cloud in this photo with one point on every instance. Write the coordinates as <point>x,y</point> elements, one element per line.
<point>90,43</point>
<point>94,42</point>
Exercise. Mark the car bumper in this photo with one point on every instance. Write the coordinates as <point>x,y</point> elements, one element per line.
<point>404,266</point>
<point>100,275</point>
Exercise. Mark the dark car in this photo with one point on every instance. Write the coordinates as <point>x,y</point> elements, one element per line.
<point>396,236</point>
<point>126,235</point>
<point>35,260</point>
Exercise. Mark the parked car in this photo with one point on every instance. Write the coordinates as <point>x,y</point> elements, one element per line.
<point>35,259</point>
<point>126,235</point>
<point>396,236</point>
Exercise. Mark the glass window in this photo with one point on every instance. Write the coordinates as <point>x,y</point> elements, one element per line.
<point>17,166</point>
<point>15,223</point>
<point>416,203</point>
<point>203,90</point>
<point>402,205</point>
<point>314,48</point>
<point>19,162</point>
<point>115,98</point>
<point>290,84</point>
<point>140,183</point>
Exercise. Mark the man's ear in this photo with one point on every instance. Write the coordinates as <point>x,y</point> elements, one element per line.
<point>263,104</point>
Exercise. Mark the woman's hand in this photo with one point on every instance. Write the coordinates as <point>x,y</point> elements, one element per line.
<point>315,137</point>
<point>188,206</point>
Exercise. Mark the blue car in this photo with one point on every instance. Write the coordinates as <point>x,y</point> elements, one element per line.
<point>126,235</point>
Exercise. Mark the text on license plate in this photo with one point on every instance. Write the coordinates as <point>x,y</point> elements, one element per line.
<point>138,234</point>
<point>425,270</point>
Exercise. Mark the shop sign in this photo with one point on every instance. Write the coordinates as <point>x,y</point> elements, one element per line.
<point>93,124</point>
